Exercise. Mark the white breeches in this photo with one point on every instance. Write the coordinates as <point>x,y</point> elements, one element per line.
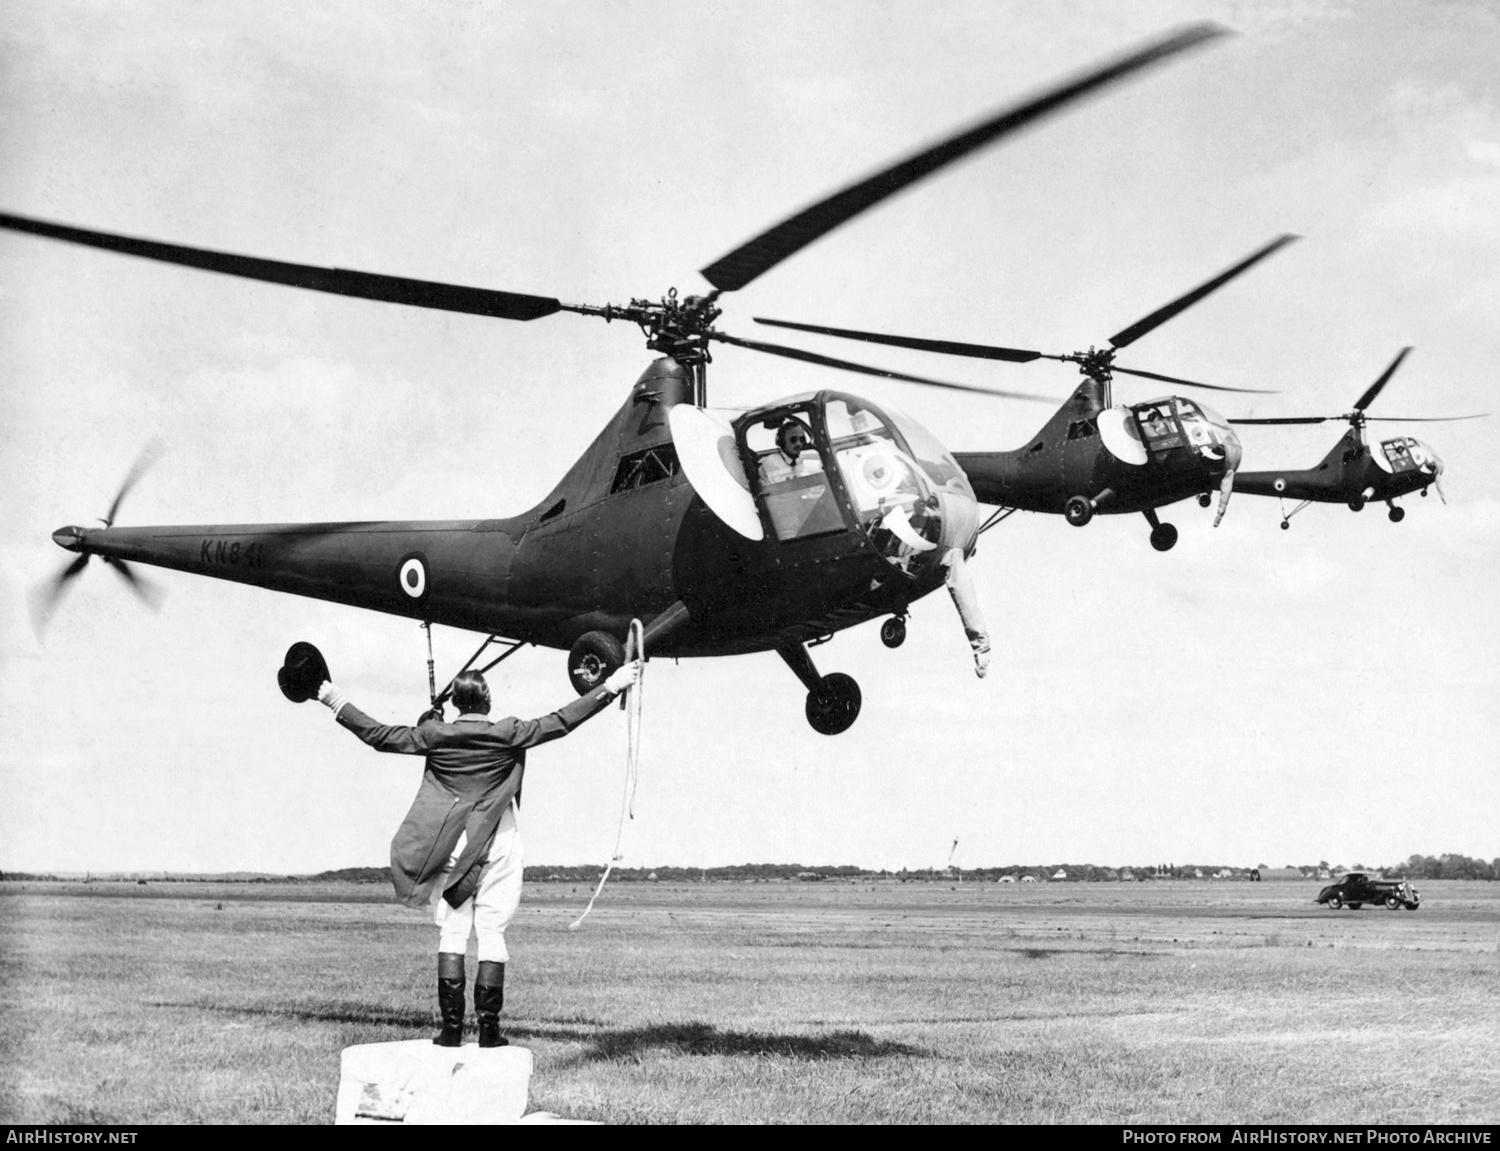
<point>492,907</point>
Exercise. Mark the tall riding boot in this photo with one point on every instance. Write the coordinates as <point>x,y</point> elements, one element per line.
<point>450,999</point>
<point>489,998</point>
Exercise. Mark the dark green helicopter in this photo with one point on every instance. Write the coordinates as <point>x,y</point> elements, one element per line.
<point>678,515</point>
<point>1093,456</point>
<point>1356,472</point>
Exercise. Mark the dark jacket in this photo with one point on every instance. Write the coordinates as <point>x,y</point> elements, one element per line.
<point>474,770</point>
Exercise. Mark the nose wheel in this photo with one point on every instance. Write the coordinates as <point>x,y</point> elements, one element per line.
<point>1204,500</point>
<point>893,631</point>
<point>1396,514</point>
<point>833,700</point>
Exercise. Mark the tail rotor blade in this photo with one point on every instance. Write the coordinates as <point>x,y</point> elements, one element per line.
<point>149,593</point>
<point>45,596</point>
<point>149,455</point>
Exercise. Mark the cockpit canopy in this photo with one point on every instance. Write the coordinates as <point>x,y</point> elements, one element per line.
<point>833,462</point>
<point>1404,454</point>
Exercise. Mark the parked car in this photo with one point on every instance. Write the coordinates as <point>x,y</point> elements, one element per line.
<point>1357,889</point>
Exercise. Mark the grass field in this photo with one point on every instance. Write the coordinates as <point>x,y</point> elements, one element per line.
<point>801,1002</point>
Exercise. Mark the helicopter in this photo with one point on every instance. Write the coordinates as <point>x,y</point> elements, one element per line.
<point>671,515</point>
<point>1092,456</point>
<point>1355,472</point>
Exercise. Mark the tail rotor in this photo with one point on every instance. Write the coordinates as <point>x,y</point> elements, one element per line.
<point>45,597</point>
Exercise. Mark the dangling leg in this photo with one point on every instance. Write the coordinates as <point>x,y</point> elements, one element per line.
<point>495,905</point>
<point>966,599</point>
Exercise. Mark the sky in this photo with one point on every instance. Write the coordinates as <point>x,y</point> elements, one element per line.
<point>1253,696</point>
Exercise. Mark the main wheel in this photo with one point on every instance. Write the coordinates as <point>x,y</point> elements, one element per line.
<point>1393,903</point>
<point>1397,515</point>
<point>1285,525</point>
<point>1357,504</point>
<point>834,705</point>
<point>1204,500</point>
<point>1078,511</point>
<point>893,632</point>
<point>1335,902</point>
<point>594,657</point>
<point>1163,536</point>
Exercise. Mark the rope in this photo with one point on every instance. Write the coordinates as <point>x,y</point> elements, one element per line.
<point>635,648</point>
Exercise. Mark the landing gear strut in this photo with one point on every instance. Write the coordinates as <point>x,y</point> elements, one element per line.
<point>832,700</point>
<point>1163,536</point>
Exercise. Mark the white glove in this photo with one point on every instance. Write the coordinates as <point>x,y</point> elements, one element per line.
<point>626,677</point>
<point>331,696</point>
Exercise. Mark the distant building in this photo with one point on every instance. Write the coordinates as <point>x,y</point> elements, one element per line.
<point>1028,879</point>
<point>653,875</point>
<point>1127,874</point>
<point>1006,879</point>
<point>1059,874</point>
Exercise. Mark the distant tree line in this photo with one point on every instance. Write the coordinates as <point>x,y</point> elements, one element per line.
<point>1451,866</point>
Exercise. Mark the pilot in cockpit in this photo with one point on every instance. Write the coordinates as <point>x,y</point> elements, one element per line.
<point>794,455</point>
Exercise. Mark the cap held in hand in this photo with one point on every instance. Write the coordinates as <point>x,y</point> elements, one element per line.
<point>302,673</point>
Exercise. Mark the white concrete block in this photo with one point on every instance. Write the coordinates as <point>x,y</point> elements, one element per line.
<point>418,1082</point>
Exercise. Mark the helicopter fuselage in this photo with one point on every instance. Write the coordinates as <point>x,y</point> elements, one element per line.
<point>1353,473</point>
<point>1121,459</point>
<point>623,535</point>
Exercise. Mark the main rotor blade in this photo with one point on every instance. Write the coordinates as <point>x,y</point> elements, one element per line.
<point>1289,420</point>
<point>338,281</point>
<point>1189,383</point>
<point>865,369</point>
<point>751,259</point>
<point>149,455</point>
<point>1423,419</point>
<point>944,347</point>
<point>1138,329</point>
<point>1373,390</point>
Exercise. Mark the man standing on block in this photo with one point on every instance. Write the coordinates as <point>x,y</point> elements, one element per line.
<point>459,849</point>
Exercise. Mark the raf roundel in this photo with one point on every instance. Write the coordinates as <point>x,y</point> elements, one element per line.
<point>1280,484</point>
<point>413,577</point>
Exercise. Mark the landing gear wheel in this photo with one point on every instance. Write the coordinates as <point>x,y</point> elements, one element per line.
<point>1392,903</point>
<point>1078,511</point>
<point>1357,504</point>
<point>1163,536</point>
<point>834,705</point>
<point>1397,515</point>
<point>1285,525</point>
<point>594,657</point>
<point>1335,902</point>
<point>893,631</point>
<point>1204,500</point>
